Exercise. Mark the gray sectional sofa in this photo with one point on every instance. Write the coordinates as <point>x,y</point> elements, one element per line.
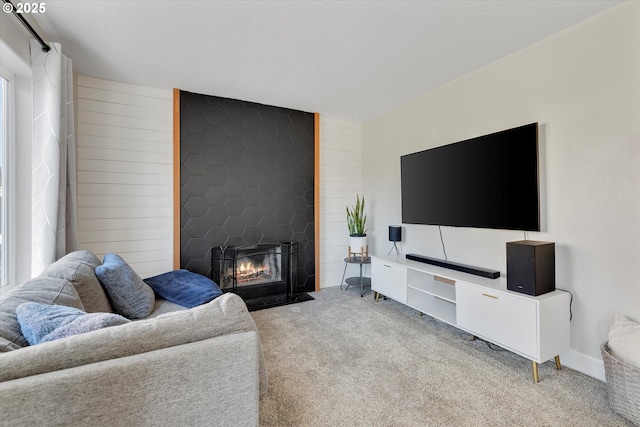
<point>198,366</point>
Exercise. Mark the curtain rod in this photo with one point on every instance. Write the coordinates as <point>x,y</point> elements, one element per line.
<point>9,7</point>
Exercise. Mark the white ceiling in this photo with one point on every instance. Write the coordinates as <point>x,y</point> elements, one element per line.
<point>345,59</point>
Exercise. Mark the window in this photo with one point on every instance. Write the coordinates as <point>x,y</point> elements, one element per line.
<point>5,128</point>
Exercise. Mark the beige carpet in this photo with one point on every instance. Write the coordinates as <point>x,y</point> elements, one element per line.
<point>342,360</point>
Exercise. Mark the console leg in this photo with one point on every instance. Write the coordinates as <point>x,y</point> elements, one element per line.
<point>376,296</point>
<point>558,365</point>
<point>473,337</point>
<point>421,313</point>
<point>534,369</point>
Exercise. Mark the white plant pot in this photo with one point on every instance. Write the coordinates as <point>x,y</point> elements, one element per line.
<point>358,244</point>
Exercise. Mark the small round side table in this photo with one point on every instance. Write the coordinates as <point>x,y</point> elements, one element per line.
<point>355,281</point>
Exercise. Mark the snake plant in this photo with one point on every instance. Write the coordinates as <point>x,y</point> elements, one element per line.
<point>356,219</point>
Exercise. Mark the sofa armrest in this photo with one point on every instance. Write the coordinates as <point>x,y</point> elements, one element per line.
<point>208,382</point>
<point>226,314</point>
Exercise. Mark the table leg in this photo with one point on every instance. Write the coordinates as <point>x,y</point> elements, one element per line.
<point>343,273</point>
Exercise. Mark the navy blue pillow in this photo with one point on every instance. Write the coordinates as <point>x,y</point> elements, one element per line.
<point>184,287</point>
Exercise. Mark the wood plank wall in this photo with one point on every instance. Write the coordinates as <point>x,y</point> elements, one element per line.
<point>125,188</point>
<point>340,181</point>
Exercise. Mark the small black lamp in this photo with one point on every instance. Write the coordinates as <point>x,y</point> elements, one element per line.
<point>395,235</point>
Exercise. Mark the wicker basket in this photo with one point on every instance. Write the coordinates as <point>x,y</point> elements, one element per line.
<point>623,385</point>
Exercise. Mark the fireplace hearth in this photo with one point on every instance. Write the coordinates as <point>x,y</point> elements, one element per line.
<point>263,275</point>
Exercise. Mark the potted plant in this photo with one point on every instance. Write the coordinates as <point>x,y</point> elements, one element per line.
<point>356,221</point>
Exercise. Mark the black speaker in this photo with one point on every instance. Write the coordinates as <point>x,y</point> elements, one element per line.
<point>395,233</point>
<point>531,267</point>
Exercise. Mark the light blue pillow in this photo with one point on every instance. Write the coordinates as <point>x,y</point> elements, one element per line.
<point>129,295</point>
<point>45,322</point>
<point>44,290</point>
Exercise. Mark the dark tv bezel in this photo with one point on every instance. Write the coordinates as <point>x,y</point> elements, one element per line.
<point>480,139</point>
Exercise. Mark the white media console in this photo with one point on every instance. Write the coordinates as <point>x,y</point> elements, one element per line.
<point>536,328</point>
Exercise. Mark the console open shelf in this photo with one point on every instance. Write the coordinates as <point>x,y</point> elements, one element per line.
<point>431,294</point>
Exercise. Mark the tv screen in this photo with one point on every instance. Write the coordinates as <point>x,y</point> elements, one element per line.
<point>486,182</point>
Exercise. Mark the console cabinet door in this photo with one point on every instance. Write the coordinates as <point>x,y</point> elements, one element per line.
<point>506,320</point>
<point>389,279</point>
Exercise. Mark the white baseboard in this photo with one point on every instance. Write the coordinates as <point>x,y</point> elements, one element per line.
<point>580,362</point>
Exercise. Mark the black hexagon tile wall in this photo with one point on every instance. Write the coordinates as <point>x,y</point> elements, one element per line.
<point>246,177</point>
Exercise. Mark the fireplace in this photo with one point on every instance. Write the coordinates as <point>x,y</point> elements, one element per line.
<point>263,275</point>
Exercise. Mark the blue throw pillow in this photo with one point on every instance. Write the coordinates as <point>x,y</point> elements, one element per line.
<point>46,322</point>
<point>184,288</point>
<point>129,295</point>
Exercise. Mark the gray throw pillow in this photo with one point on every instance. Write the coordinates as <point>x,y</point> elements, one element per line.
<point>45,290</point>
<point>45,322</point>
<point>129,295</point>
<point>78,267</point>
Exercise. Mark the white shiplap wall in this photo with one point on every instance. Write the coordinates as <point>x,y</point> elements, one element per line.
<point>125,187</point>
<point>340,181</point>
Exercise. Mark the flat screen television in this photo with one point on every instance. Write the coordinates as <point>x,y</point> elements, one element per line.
<point>486,182</point>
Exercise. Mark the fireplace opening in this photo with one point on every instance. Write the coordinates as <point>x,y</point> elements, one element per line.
<point>255,266</point>
<point>263,275</point>
<point>254,273</point>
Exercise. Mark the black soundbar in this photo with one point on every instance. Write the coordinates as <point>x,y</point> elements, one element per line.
<point>491,274</point>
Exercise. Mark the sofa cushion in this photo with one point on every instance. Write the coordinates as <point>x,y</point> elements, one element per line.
<point>79,268</point>
<point>624,340</point>
<point>184,288</point>
<point>45,322</point>
<point>44,290</point>
<point>129,295</point>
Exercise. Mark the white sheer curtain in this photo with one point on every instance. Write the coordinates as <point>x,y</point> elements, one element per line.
<point>54,195</point>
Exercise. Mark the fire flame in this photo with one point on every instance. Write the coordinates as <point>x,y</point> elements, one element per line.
<point>249,271</point>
